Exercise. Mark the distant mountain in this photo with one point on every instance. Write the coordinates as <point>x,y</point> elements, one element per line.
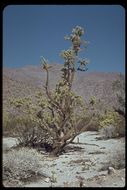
<point>25,81</point>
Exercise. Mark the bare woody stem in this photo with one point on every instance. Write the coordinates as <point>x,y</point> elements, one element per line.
<point>60,109</point>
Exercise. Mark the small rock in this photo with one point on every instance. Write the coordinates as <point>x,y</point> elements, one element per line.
<point>65,184</point>
<point>102,148</point>
<point>47,180</point>
<point>92,160</point>
<point>103,178</point>
<point>87,167</point>
<point>111,170</point>
<point>84,185</point>
<point>88,164</point>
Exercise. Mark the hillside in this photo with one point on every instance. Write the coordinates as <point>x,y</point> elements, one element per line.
<point>25,81</point>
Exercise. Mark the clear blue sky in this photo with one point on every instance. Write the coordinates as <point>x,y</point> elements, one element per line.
<point>30,31</point>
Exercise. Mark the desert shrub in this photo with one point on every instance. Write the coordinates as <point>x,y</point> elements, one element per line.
<point>5,121</point>
<point>9,124</point>
<point>28,129</point>
<point>19,165</point>
<point>96,109</point>
<point>112,125</point>
<point>108,118</point>
<point>118,87</point>
<point>94,125</point>
<point>116,159</point>
<point>17,125</point>
<point>32,135</point>
<point>108,131</point>
<point>91,113</point>
<point>5,118</point>
<point>25,130</point>
<point>92,100</point>
<point>121,126</point>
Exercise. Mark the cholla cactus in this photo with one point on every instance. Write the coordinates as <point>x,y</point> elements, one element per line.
<point>62,119</point>
<point>61,113</point>
<point>68,54</point>
<point>83,63</point>
<point>78,30</point>
<point>45,64</point>
<point>75,38</point>
<point>92,100</point>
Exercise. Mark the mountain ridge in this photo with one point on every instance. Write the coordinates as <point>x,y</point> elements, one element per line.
<point>27,80</point>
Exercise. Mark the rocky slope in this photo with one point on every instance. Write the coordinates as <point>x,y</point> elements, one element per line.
<point>25,81</point>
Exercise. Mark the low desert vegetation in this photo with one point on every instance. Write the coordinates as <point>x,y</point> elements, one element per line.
<point>20,165</point>
<point>112,125</point>
<point>53,118</point>
<point>10,123</point>
<point>116,159</point>
<point>118,87</point>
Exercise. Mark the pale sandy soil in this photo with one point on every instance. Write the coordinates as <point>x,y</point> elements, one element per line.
<point>83,160</point>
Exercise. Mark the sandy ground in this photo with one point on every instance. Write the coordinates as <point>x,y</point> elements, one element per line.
<point>80,164</point>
